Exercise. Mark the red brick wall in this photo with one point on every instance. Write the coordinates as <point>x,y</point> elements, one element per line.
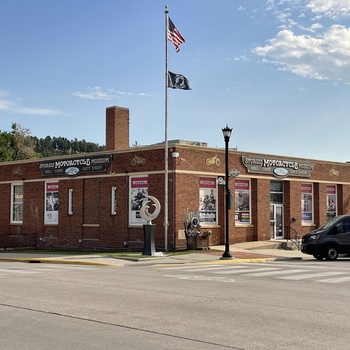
<point>33,216</point>
<point>5,202</point>
<point>117,128</point>
<point>93,223</point>
<point>262,220</point>
<point>343,199</point>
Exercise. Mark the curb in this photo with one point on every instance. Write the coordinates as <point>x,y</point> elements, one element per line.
<point>151,261</point>
<point>229,261</point>
<point>55,261</point>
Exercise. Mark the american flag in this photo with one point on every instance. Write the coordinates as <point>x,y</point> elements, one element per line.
<point>174,35</point>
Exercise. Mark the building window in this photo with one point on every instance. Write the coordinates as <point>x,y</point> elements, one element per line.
<point>242,202</point>
<point>307,204</point>
<point>207,201</point>
<point>113,201</point>
<point>70,201</point>
<point>331,201</point>
<point>276,192</point>
<point>17,203</point>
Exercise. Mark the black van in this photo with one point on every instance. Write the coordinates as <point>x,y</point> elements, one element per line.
<point>329,240</point>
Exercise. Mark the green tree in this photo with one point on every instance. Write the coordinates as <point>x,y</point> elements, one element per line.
<point>75,146</point>
<point>19,144</point>
<point>44,147</point>
<point>6,149</point>
<point>23,143</point>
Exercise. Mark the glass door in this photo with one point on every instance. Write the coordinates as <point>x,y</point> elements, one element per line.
<point>276,221</point>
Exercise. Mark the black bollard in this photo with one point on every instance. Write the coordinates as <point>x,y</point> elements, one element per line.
<point>148,242</point>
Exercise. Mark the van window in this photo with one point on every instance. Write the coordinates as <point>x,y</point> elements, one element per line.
<point>342,227</point>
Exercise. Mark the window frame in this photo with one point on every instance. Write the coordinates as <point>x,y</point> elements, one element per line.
<point>276,194</point>
<point>70,201</point>
<point>207,201</point>
<point>331,195</point>
<point>114,200</point>
<point>307,195</point>
<point>243,212</point>
<point>19,202</point>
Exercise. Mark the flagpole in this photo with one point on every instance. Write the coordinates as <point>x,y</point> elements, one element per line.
<point>166,135</point>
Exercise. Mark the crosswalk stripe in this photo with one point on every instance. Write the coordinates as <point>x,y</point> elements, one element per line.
<point>216,267</point>
<point>61,268</point>
<point>30,270</point>
<point>19,272</point>
<point>181,267</point>
<point>246,269</point>
<point>278,270</point>
<point>202,278</point>
<point>336,280</point>
<point>312,275</point>
<point>273,273</point>
<point>315,265</point>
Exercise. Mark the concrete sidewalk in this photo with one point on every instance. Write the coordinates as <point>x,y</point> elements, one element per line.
<point>241,252</point>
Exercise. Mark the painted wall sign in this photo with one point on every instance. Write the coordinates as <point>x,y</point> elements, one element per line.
<point>72,170</point>
<point>277,167</point>
<point>75,166</point>
<point>280,172</point>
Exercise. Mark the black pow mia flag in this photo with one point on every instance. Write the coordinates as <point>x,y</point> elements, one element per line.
<point>178,81</point>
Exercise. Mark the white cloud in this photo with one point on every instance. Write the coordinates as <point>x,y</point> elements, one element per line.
<point>98,93</point>
<point>313,39</point>
<point>95,93</point>
<point>330,8</point>
<point>290,12</point>
<point>13,107</point>
<point>325,57</point>
<point>4,105</point>
<point>314,27</point>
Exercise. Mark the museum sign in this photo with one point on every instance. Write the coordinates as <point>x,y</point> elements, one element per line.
<point>75,166</point>
<point>277,167</point>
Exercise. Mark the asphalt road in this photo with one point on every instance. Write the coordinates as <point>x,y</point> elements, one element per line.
<point>277,305</point>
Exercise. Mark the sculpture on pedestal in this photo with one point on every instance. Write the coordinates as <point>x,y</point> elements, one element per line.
<point>149,228</point>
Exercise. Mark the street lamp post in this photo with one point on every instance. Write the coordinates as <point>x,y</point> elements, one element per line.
<point>227,134</point>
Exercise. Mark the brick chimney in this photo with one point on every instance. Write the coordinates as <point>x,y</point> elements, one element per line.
<point>117,128</point>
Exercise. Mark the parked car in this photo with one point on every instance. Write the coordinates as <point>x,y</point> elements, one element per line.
<point>329,240</point>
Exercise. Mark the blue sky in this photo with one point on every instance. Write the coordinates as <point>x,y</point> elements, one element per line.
<point>276,71</point>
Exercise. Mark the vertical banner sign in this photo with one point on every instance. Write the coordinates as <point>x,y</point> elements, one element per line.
<point>242,201</point>
<point>306,203</point>
<point>51,203</point>
<point>138,191</point>
<point>331,201</point>
<point>207,201</point>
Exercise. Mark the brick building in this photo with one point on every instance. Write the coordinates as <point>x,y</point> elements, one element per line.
<point>93,200</point>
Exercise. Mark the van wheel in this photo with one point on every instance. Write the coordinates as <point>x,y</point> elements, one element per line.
<point>318,256</point>
<point>331,253</point>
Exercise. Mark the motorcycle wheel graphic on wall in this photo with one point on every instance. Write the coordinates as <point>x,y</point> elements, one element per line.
<point>138,160</point>
<point>215,160</point>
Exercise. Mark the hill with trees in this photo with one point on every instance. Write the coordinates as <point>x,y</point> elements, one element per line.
<point>19,144</point>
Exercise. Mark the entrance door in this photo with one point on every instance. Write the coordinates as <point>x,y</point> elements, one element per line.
<point>276,221</point>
